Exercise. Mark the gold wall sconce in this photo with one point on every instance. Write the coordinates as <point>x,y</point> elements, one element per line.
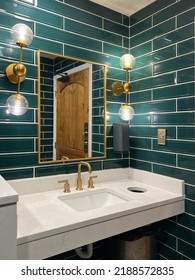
<point>17,104</point>
<point>126,112</point>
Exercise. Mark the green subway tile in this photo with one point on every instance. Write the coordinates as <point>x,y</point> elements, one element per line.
<point>90,55</point>
<point>189,207</point>
<point>96,9</point>
<point>151,132</point>
<point>174,119</point>
<point>110,154</point>
<point>171,11</point>
<point>187,220</point>
<point>151,33</point>
<point>151,107</point>
<point>141,73</point>
<point>141,119</point>
<point>66,37</point>
<point>113,50</point>
<point>174,37</point>
<point>141,96</point>
<point>180,231</point>
<point>186,249</point>
<point>174,64</point>
<point>26,86</point>
<point>116,28</point>
<point>47,45</point>
<point>185,18</point>
<point>13,53</point>
<point>157,56</point>
<point>70,12</point>
<point>176,146</point>
<point>125,42</point>
<point>27,117</point>
<point>186,133</point>
<point>18,130</point>
<point>117,74</point>
<point>186,75</point>
<point>8,21</point>
<point>148,83</point>
<point>169,253</point>
<point>126,20</point>
<point>174,91</point>
<point>31,71</point>
<point>186,104</point>
<point>152,156</point>
<point>140,27</point>
<point>186,46</point>
<point>17,173</point>
<point>148,10</point>
<point>187,161</point>
<point>13,161</point>
<point>5,36</point>
<point>190,194</point>
<point>182,174</point>
<point>168,240</point>
<point>140,143</point>
<point>32,13</point>
<point>93,32</point>
<point>164,80</point>
<point>138,164</point>
<point>16,145</point>
<point>120,163</point>
<point>143,85</point>
<point>142,49</point>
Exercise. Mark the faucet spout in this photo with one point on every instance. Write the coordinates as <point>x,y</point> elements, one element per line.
<point>79,179</point>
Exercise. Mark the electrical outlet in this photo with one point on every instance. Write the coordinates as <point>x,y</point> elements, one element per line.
<point>161,136</point>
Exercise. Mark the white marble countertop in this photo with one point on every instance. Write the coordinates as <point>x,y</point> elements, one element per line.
<point>7,194</point>
<point>43,214</point>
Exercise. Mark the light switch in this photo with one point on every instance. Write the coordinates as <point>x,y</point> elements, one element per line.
<point>161,136</point>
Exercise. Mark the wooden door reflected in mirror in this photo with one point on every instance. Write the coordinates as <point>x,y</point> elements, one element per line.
<point>72,116</point>
<point>71,108</point>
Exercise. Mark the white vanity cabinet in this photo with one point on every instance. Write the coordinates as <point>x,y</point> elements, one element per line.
<point>8,221</point>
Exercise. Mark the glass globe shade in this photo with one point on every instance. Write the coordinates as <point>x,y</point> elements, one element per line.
<point>22,34</point>
<point>127,61</point>
<point>126,112</point>
<point>17,104</point>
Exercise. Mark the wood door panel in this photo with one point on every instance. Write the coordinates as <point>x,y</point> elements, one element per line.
<point>72,114</point>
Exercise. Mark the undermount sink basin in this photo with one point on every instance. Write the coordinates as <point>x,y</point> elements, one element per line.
<point>92,200</point>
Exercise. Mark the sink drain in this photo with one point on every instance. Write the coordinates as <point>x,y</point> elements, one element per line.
<point>137,189</point>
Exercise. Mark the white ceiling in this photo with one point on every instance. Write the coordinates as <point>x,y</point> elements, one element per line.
<point>125,7</point>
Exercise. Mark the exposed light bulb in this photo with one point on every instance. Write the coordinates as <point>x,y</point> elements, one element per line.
<point>17,104</point>
<point>127,61</point>
<point>126,112</point>
<point>22,34</point>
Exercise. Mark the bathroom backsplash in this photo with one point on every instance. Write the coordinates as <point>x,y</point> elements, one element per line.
<point>81,30</point>
<point>162,40</point>
<point>163,96</point>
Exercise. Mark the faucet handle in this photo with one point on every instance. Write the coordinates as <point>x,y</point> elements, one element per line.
<point>66,185</point>
<point>90,182</point>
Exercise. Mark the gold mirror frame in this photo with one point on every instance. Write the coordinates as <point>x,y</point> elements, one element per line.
<point>104,71</point>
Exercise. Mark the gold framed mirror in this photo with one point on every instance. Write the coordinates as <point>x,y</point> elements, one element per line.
<point>71,109</point>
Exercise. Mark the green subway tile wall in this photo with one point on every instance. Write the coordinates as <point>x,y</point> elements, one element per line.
<point>162,40</point>
<point>163,90</point>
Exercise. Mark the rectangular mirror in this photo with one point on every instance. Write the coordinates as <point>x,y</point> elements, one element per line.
<point>71,108</point>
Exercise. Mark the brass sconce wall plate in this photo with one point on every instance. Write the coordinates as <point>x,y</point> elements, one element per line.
<point>117,88</point>
<point>15,71</point>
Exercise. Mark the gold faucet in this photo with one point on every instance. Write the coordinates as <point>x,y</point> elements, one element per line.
<point>79,180</point>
